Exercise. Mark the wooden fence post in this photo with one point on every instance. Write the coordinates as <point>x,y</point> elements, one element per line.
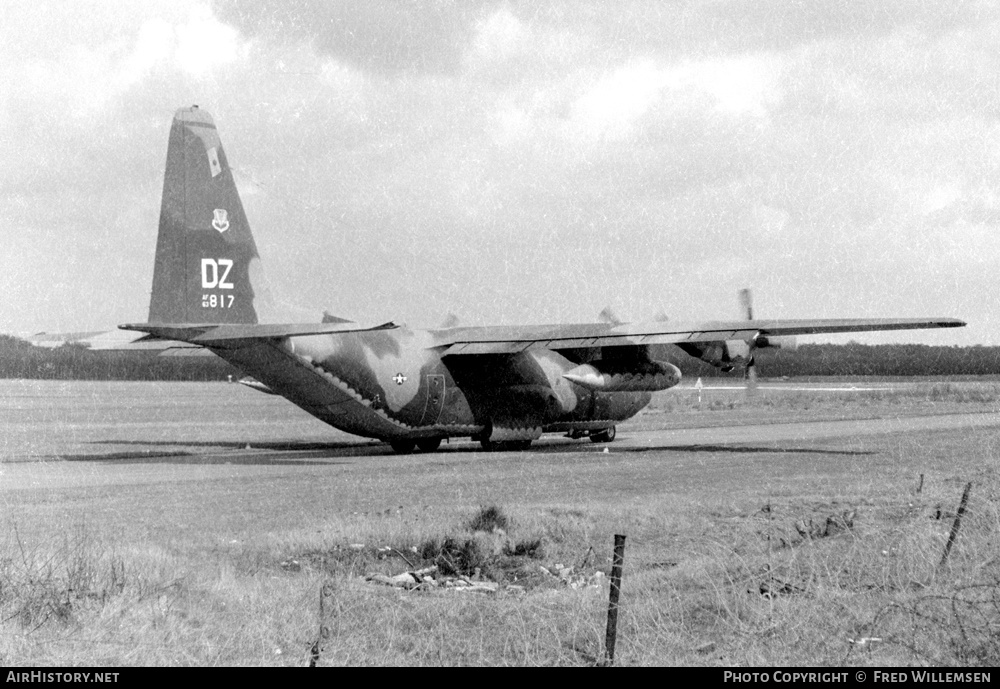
<point>616,583</point>
<point>957,523</point>
<point>327,610</point>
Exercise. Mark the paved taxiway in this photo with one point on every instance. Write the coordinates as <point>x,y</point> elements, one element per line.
<point>130,460</point>
<point>808,430</point>
<point>144,465</point>
<point>87,425</point>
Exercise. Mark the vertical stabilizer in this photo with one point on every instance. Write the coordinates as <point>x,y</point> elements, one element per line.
<point>207,268</point>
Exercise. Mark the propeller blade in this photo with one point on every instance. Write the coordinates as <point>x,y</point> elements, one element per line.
<point>608,316</point>
<point>750,371</point>
<point>450,321</point>
<point>746,303</point>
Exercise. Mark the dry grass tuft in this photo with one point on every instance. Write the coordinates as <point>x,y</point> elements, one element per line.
<point>54,586</point>
<point>490,519</point>
<point>484,546</point>
<point>960,627</point>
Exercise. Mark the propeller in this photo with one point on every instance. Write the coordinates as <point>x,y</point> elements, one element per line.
<point>330,318</point>
<point>607,315</point>
<point>750,370</point>
<point>450,321</point>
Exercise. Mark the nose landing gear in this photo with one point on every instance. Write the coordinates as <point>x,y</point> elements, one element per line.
<point>605,436</point>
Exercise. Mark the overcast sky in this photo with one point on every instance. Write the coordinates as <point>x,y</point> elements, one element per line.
<point>518,162</point>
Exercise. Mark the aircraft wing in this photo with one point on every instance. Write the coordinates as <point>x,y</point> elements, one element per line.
<point>513,339</point>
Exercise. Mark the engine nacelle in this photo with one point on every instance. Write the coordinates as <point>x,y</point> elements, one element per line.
<point>786,342</point>
<point>625,376</point>
<point>723,354</point>
<point>728,354</point>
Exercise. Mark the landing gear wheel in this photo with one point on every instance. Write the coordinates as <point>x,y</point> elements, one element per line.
<point>429,444</point>
<point>403,447</point>
<point>484,438</point>
<point>605,436</point>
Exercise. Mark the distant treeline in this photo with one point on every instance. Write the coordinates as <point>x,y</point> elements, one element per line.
<point>20,359</point>
<point>855,359</point>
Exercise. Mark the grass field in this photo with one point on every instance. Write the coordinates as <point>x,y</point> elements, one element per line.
<point>159,540</point>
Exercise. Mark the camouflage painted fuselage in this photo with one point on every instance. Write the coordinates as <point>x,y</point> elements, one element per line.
<point>394,384</point>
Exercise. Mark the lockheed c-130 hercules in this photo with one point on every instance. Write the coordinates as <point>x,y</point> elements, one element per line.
<point>502,385</point>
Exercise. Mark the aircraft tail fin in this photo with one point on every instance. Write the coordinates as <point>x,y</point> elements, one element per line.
<point>207,268</point>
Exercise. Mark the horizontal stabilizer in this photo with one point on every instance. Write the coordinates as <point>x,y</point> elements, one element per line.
<point>186,350</point>
<point>208,335</point>
<point>255,384</point>
<point>109,341</point>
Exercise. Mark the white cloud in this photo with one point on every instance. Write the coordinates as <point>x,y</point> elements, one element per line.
<point>739,86</point>
<point>612,106</point>
<point>153,46</point>
<point>512,124</point>
<point>501,35</point>
<point>82,76</point>
<point>941,197</point>
<point>203,43</point>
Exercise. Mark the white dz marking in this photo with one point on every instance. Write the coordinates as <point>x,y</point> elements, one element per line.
<point>210,273</point>
<point>399,378</point>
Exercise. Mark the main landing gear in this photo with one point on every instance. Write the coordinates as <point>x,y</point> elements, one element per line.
<point>605,435</point>
<point>429,444</point>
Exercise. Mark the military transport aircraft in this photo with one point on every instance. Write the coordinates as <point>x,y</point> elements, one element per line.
<point>503,386</point>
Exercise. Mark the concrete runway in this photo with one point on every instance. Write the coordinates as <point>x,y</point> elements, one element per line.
<point>80,433</point>
<point>135,462</point>
<point>147,464</point>
<point>806,430</point>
